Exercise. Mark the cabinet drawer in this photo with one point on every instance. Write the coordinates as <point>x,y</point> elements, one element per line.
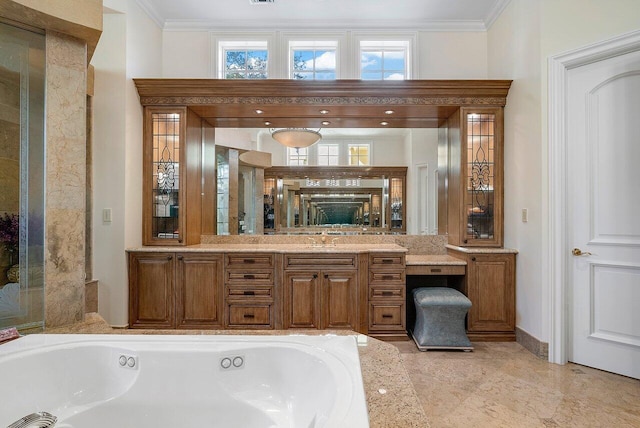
<point>435,270</point>
<point>386,277</point>
<point>249,276</point>
<point>386,260</point>
<point>386,316</point>
<point>386,292</point>
<point>254,260</point>
<point>243,315</point>
<point>318,261</point>
<point>251,291</point>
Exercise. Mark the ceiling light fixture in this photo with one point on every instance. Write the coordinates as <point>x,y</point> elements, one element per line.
<point>296,137</point>
<point>389,112</point>
<point>325,123</point>
<point>324,111</point>
<point>384,123</point>
<point>258,111</point>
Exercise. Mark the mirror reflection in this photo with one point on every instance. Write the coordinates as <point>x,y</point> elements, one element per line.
<point>326,186</point>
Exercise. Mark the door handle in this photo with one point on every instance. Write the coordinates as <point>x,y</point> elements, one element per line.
<point>579,252</point>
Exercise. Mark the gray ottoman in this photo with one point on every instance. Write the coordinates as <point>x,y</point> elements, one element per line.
<point>440,313</point>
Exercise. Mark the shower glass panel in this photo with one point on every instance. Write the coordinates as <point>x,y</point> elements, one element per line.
<point>22,85</point>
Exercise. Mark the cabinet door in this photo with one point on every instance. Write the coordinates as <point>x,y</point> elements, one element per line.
<point>199,290</point>
<point>301,299</point>
<point>339,300</point>
<point>491,289</point>
<point>151,290</point>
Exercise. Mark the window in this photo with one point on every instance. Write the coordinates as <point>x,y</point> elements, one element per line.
<point>384,60</point>
<point>297,157</point>
<point>313,60</point>
<point>359,154</point>
<point>243,60</point>
<point>328,154</point>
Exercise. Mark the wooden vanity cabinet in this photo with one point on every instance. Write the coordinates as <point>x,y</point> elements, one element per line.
<point>198,290</point>
<point>320,291</point>
<point>250,292</point>
<point>151,290</point>
<point>386,296</point>
<point>472,154</point>
<point>175,290</point>
<point>490,285</point>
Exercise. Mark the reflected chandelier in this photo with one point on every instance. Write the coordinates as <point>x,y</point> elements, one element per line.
<point>296,137</point>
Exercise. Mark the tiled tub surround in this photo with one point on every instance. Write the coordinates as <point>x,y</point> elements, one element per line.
<point>391,398</point>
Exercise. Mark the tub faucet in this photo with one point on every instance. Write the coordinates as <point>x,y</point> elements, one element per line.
<point>40,419</point>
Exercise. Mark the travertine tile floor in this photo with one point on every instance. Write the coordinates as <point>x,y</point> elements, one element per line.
<point>504,385</point>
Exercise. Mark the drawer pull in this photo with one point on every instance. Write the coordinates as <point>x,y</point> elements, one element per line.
<point>387,293</point>
<point>249,261</point>
<point>249,316</point>
<point>180,257</point>
<point>249,293</point>
<point>249,276</point>
<point>169,257</point>
<point>436,270</point>
<point>387,260</point>
<point>387,276</point>
<point>387,316</point>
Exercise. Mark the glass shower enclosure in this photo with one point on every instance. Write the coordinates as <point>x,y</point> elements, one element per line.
<point>22,179</point>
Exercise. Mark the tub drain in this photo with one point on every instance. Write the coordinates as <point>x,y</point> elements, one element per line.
<point>35,420</point>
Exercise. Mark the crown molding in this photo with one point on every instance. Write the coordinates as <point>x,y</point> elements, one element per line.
<point>404,25</point>
<point>150,10</point>
<point>495,13</point>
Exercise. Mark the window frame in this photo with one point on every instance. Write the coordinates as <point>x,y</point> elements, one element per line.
<point>312,45</point>
<point>292,153</point>
<point>367,144</point>
<point>241,43</point>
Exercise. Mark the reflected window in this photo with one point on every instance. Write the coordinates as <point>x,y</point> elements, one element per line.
<point>297,157</point>
<point>359,154</point>
<point>328,154</point>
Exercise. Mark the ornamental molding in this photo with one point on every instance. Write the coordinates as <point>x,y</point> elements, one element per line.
<point>370,100</point>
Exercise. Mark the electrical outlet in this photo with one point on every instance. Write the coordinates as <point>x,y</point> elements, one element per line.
<point>525,215</point>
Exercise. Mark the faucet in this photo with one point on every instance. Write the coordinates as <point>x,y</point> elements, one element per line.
<point>323,237</point>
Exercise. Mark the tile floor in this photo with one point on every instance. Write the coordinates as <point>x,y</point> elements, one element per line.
<point>504,385</point>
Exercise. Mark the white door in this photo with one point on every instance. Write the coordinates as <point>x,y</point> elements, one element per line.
<point>603,189</point>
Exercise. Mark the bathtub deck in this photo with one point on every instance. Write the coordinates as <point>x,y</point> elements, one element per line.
<point>391,399</point>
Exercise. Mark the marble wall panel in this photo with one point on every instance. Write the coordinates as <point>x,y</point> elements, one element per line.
<point>65,180</point>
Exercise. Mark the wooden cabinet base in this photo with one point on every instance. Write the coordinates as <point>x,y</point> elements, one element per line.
<point>492,337</point>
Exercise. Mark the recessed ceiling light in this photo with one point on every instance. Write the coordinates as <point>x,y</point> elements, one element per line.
<point>389,112</point>
<point>258,111</point>
<point>267,123</point>
<point>326,122</point>
<point>384,123</point>
<point>324,111</point>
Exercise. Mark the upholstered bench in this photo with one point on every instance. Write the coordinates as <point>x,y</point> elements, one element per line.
<point>440,313</point>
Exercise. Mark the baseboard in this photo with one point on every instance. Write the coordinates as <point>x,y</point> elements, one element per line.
<point>536,347</point>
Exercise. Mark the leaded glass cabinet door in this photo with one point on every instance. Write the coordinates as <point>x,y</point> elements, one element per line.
<point>165,130</point>
<point>482,182</point>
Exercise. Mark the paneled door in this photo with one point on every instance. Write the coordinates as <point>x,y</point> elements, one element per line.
<point>603,226</point>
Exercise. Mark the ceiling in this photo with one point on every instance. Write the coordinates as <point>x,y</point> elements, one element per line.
<point>452,15</point>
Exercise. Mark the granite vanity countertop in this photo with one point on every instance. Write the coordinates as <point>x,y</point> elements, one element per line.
<point>391,398</point>
<point>279,248</point>
<point>429,259</point>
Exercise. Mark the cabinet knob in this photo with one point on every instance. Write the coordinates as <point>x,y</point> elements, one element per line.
<point>180,257</point>
<point>169,257</point>
<point>473,259</point>
<point>180,241</point>
<point>315,275</point>
<point>326,275</point>
<point>466,241</point>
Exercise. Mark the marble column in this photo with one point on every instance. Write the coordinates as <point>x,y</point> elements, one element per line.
<point>66,68</point>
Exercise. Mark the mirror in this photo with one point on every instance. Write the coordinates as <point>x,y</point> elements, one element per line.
<point>307,201</point>
<point>303,199</point>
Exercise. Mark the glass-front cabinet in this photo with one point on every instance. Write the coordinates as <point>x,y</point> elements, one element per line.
<point>475,182</point>
<point>166,143</point>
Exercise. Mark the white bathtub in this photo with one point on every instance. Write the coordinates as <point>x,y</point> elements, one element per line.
<point>181,381</point>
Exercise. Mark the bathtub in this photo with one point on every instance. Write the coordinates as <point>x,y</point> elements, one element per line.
<point>138,381</point>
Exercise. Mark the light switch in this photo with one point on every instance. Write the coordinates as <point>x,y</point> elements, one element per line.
<point>106,215</point>
<point>525,215</point>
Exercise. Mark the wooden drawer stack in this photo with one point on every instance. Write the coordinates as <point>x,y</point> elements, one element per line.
<point>249,290</point>
<point>387,301</point>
